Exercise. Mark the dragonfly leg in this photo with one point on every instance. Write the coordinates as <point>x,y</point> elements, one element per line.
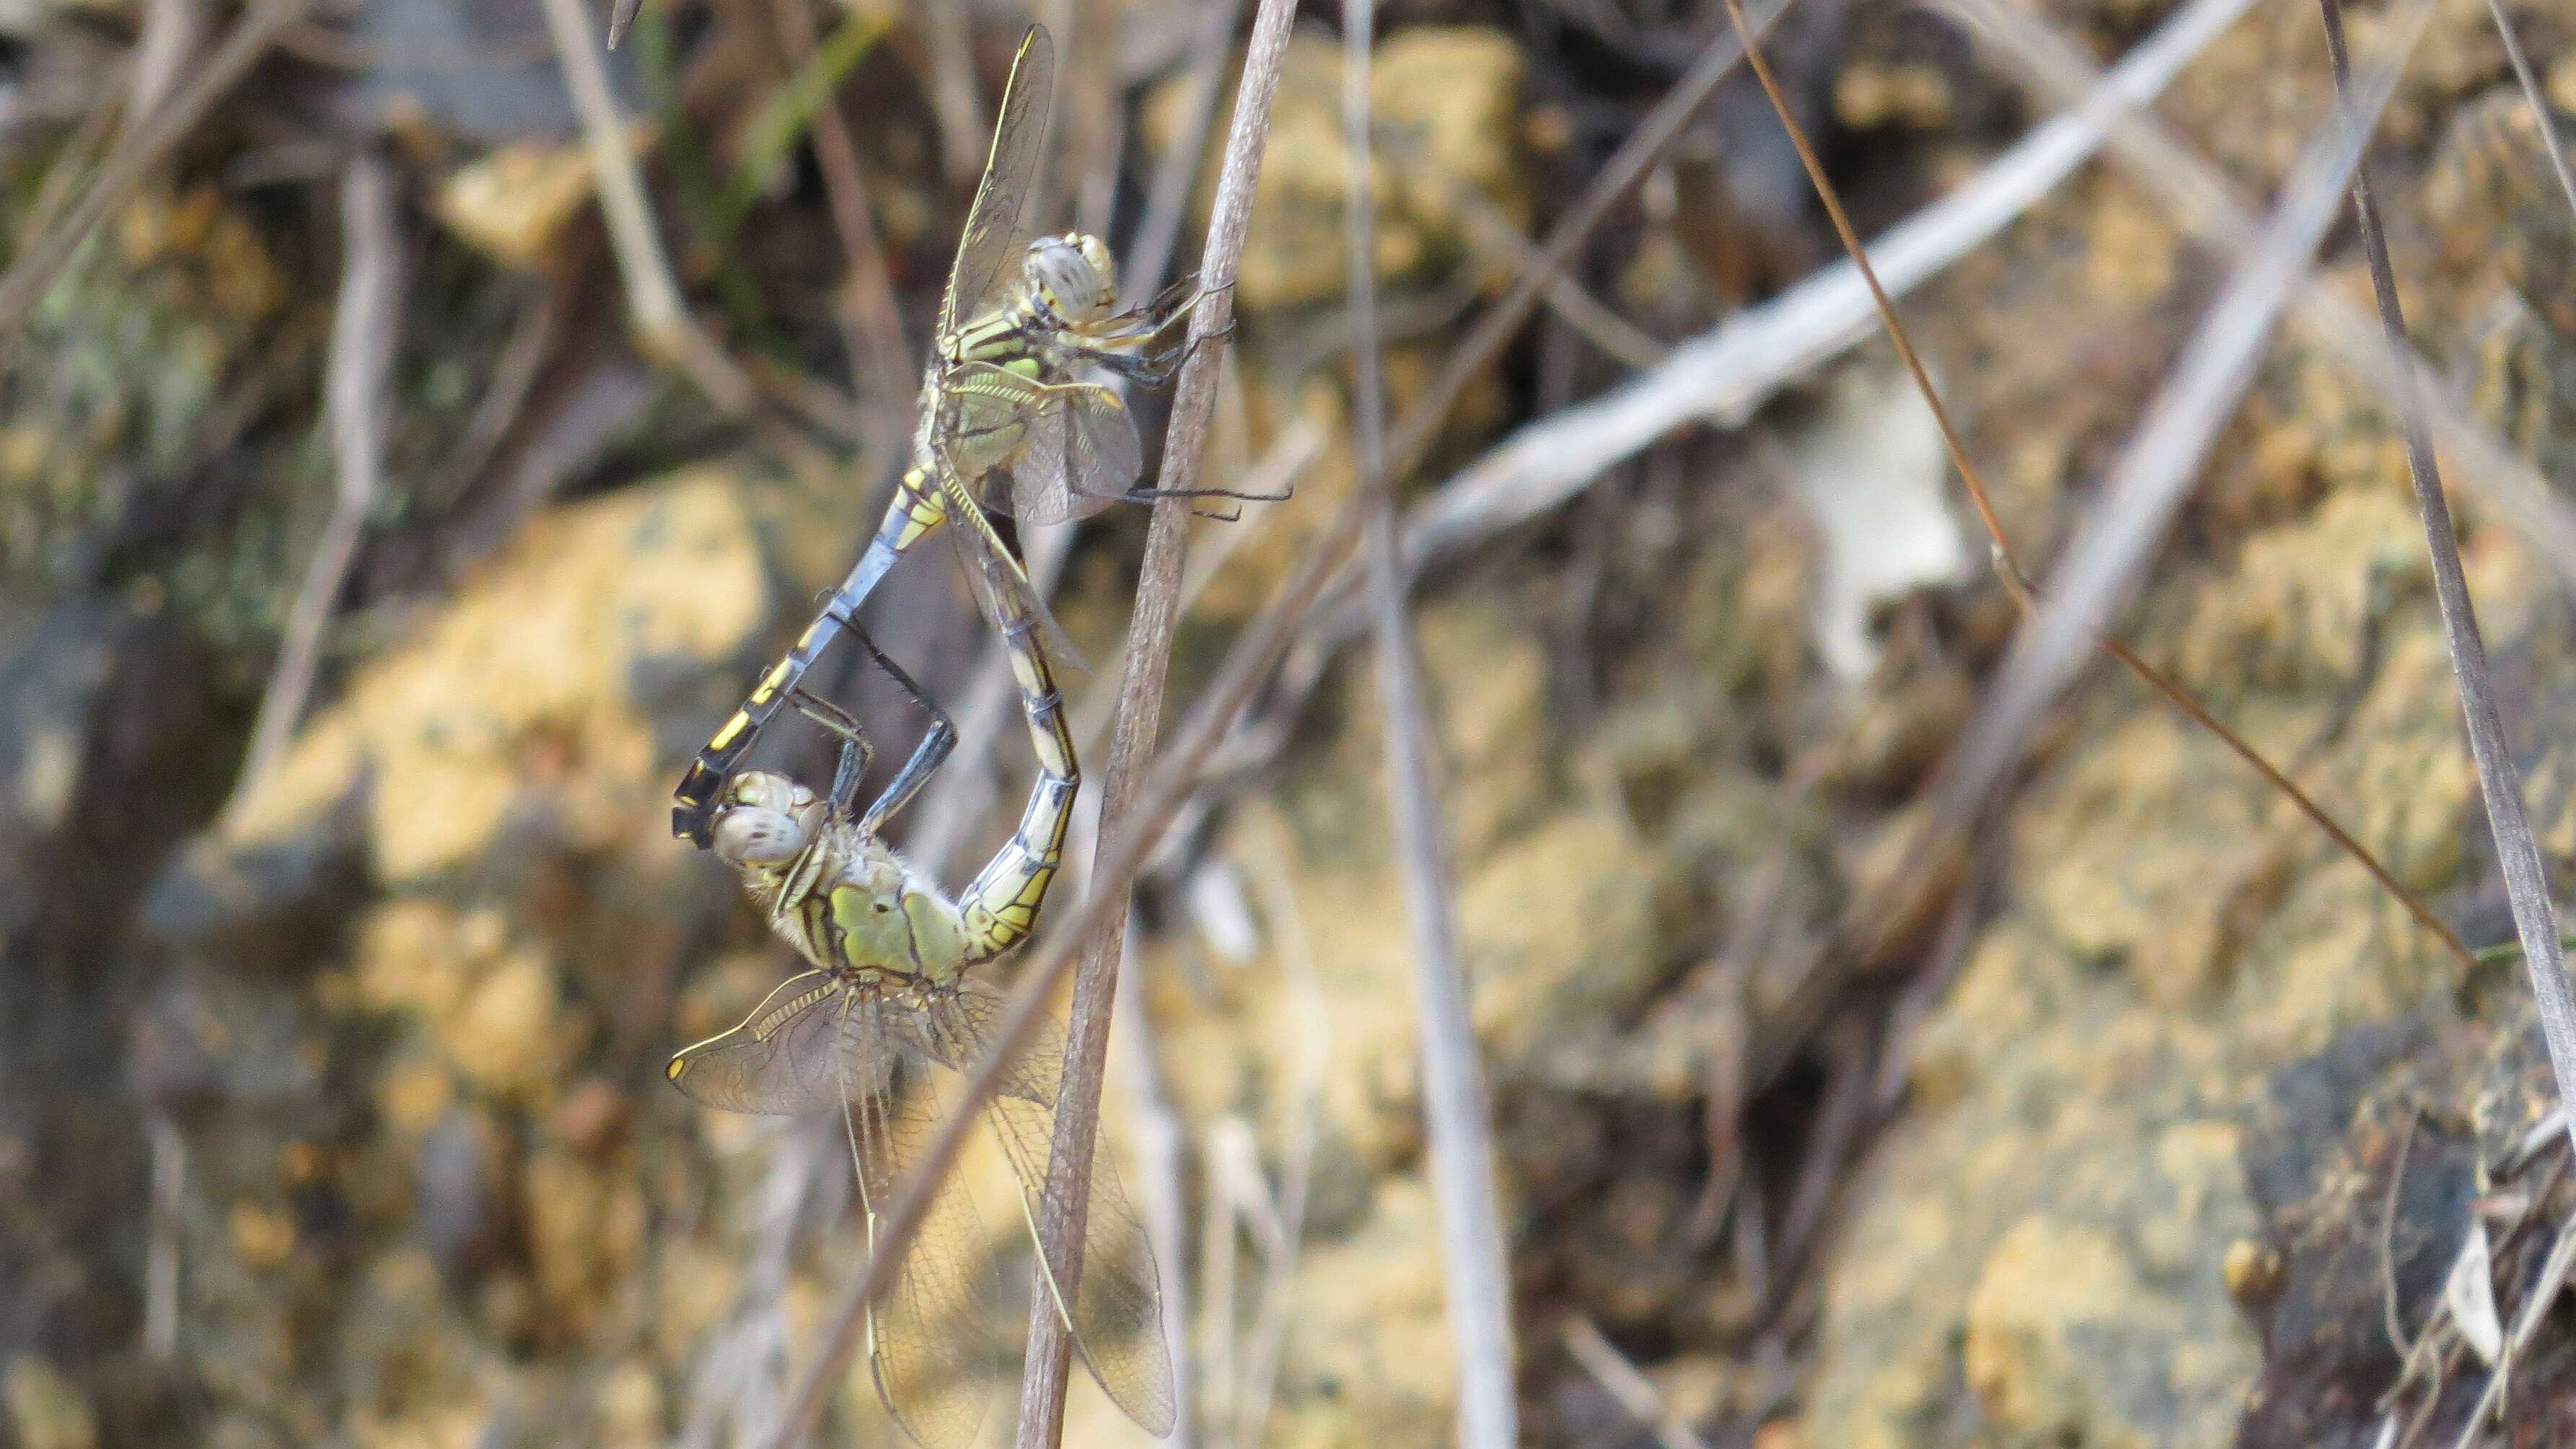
<point>926,757</point>
<point>1155,366</point>
<point>856,753</point>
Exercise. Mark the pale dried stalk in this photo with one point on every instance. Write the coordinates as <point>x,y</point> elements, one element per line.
<point>2202,200</point>
<point>2532,96</point>
<point>1066,1201</point>
<point>1724,375</point>
<point>2526,880</point>
<point>1175,775</point>
<point>1474,1252</point>
<point>1160,1155</point>
<point>880,361</point>
<point>2017,583</point>
<point>172,32</point>
<point>148,139</point>
<point>660,323</point>
<point>2153,475</point>
<point>363,325</point>
<point>1620,1380</point>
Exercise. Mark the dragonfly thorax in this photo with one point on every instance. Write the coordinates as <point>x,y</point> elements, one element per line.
<point>1072,277</point>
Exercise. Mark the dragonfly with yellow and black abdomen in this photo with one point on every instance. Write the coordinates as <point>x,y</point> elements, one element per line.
<point>887,1008</point>
<point>1012,391</point>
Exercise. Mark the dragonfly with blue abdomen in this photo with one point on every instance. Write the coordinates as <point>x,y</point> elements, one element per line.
<point>886,1008</point>
<point>1012,391</point>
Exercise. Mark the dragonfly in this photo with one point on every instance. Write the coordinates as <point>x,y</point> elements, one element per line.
<point>1011,389</point>
<point>888,998</point>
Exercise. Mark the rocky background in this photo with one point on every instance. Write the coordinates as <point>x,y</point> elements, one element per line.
<point>330,1107</point>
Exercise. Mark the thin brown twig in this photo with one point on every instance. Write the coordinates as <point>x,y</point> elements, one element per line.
<point>880,360</point>
<point>661,323</point>
<point>1160,1155</point>
<point>1474,1252</point>
<point>364,322</point>
<point>2499,779</point>
<point>172,32</point>
<point>1175,774</point>
<point>1620,1380</point>
<point>2532,96</point>
<point>146,142</point>
<point>2397,1338</point>
<point>1149,256</point>
<point>2202,199</point>
<point>2017,582</point>
<point>1724,375</point>
<point>1140,709</point>
<point>2113,545</point>
<point>1310,1029</point>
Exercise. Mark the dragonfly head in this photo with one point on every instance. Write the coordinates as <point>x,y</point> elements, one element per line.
<point>1073,276</point>
<point>765,819</point>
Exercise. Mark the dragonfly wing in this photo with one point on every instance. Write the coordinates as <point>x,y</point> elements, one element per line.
<point>1117,1312</point>
<point>1002,588</point>
<point>786,1058</point>
<point>1038,492</point>
<point>927,1347</point>
<point>992,234</point>
<point>1105,456</point>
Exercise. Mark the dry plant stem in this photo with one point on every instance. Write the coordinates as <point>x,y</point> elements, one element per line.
<point>953,102</point>
<point>1475,1261</point>
<point>1620,1380</point>
<point>2203,200</point>
<point>2114,545</point>
<point>2017,582</point>
<point>172,31</point>
<point>1167,786</point>
<point>660,323</point>
<point>1131,742</point>
<point>1722,376</point>
<point>147,140</point>
<point>2499,780</point>
<point>1149,256</point>
<point>2532,96</point>
<point>1160,1158</point>
<point>161,1253</point>
<point>1492,237</point>
<point>363,324</point>
<point>1312,1031</point>
<point>880,361</point>
<point>2526,1325</point>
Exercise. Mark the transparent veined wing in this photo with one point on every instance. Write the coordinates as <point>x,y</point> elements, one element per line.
<point>1083,454</point>
<point>1009,602</point>
<point>927,1349</point>
<point>993,236</point>
<point>785,1059</point>
<point>1117,1309</point>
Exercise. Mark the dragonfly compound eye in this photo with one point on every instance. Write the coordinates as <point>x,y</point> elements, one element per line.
<point>1073,274</point>
<point>758,835</point>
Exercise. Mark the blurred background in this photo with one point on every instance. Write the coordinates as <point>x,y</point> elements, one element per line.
<point>378,539</point>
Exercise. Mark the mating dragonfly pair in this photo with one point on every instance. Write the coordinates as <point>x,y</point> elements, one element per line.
<point>1011,389</point>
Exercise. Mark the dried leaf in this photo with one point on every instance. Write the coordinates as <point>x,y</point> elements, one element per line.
<point>2470,1293</point>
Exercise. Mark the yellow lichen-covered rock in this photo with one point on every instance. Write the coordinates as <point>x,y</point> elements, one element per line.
<point>585,1231</point>
<point>532,667</point>
<point>45,1412</point>
<point>1449,96</point>
<point>513,203</point>
<point>2052,1300</point>
<point>1373,1363</point>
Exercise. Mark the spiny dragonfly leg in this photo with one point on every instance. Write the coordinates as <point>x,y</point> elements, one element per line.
<point>856,753</point>
<point>927,756</point>
<point>1155,366</point>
